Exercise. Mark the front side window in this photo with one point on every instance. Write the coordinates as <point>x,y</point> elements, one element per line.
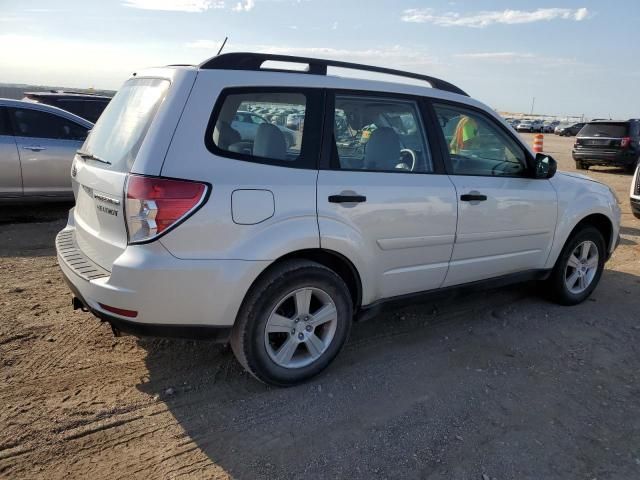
<point>37,124</point>
<point>478,146</point>
<point>252,125</point>
<point>379,134</point>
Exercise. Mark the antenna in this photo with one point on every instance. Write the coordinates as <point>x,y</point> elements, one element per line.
<point>222,46</point>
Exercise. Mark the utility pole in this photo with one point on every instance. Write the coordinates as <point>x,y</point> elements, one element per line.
<point>532,104</point>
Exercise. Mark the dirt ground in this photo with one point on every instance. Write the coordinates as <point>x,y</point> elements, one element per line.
<point>495,385</point>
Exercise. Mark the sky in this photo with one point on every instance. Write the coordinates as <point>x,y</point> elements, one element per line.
<point>573,56</point>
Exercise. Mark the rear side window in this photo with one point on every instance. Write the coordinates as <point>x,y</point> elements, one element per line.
<point>120,130</point>
<point>37,124</point>
<point>251,124</point>
<point>602,129</point>
<point>379,134</point>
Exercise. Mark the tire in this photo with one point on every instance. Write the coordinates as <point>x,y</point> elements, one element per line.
<point>556,284</point>
<point>271,302</point>
<point>631,168</point>
<point>582,166</point>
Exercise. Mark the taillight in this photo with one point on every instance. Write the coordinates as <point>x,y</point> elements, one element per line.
<point>625,142</point>
<point>154,205</point>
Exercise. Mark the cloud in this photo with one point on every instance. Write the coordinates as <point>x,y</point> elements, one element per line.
<point>520,58</point>
<point>400,54</point>
<point>192,6</point>
<point>495,55</point>
<point>244,6</point>
<point>486,18</point>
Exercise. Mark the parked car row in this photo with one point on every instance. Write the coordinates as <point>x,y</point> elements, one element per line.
<point>532,126</point>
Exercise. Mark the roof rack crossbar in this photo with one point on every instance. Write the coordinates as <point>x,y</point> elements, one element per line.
<point>254,61</point>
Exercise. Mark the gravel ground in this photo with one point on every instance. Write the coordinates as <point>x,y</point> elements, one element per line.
<point>495,385</point>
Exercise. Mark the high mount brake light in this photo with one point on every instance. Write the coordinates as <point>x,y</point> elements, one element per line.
<point>154,205</point>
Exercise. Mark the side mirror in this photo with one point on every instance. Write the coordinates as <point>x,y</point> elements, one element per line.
<point>544,166</point>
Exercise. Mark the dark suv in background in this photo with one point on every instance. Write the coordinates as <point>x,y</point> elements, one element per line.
<point>85,105</point>
<point>609,143</point>
<point>570,130</point>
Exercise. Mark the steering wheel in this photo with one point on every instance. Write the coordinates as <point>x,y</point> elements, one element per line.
<point>407,151</point>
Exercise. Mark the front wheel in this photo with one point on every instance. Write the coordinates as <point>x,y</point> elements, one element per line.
<point>293,323</point>
<point>578,268</point>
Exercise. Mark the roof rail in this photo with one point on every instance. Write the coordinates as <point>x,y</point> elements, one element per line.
<point>254,61</point>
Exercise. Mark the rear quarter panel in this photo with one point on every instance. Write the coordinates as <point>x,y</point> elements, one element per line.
<point>212,233</point>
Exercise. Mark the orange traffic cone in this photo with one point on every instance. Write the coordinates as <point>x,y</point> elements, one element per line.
<point>538,141</point>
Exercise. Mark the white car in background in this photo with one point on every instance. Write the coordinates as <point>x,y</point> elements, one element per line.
<point>178,231</point>
<point>247,123</point>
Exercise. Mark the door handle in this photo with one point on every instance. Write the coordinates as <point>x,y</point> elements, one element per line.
<point>34,148</point>
<point>347,198</point>
<point>473,197</point>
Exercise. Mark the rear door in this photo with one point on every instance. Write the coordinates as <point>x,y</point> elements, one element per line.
<point>383,199</point>
<point>46,144</point>
<point>10,174</point>
<point>506,219</point>
<point>99,176</point>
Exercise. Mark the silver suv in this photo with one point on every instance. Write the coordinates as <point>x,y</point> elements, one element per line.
<point>183,227</point>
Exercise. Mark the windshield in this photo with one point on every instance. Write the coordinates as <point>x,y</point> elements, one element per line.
<point>120,130</point>
<point>601,129</point>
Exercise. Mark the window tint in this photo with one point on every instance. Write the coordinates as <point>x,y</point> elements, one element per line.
<point>477,145</point>
<point>89,109</point>
<point>253,126</point>
<point>379,134</point>
<point>73,106</point>
<point>33,123</point>
<point>4,122</point>
<point>602,129</point>
<point>93,110</point>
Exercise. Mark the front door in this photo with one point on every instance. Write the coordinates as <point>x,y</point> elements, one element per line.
<point>506,219</point>
<point>382,200</point>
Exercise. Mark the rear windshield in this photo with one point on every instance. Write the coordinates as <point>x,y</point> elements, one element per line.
<point>120,130</point>
<point>601,129</point>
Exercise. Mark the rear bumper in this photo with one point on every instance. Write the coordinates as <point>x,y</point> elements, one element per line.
<point>635,206</point>
<point>606,158</point>
<point>169,297</point>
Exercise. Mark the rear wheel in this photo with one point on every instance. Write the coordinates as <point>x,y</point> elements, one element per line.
<point>578,268</point>
<point>293,323</point>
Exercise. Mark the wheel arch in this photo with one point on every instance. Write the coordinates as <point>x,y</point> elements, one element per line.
<point>600,221</point>
<point>330,259</point>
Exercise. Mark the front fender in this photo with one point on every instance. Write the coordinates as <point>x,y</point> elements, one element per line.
<point>578,198</point>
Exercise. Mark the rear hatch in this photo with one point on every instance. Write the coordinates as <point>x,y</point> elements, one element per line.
<point>101,167</point>
<point>603,135</point>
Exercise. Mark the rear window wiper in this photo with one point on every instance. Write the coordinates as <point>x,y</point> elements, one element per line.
<point>91,156</point>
